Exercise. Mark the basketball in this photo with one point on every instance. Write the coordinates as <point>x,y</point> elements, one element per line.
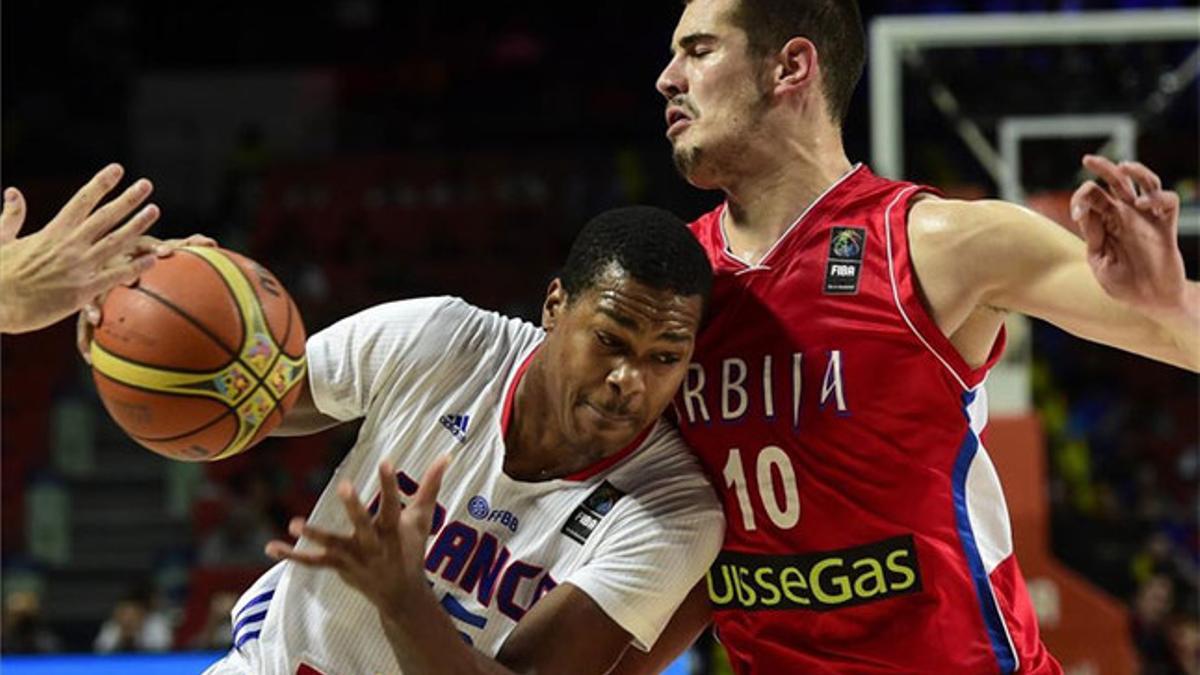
<point>200,359</point>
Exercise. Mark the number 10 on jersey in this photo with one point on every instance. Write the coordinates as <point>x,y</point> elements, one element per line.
<point>771,461</point>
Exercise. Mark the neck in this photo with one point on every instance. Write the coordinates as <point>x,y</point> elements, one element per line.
<point>535,448</point>
<point>766,200</point>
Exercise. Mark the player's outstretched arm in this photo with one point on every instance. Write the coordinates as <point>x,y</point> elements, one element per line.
<point>1125,288</point>
<point>383,558</point>
<point>50,274</point>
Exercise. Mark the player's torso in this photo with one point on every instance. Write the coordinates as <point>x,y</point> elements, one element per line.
<point>840,443</point>
<point>499,544</point>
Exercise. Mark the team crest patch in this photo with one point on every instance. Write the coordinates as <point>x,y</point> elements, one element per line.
<point>586,516</point>
<point>843,265</point>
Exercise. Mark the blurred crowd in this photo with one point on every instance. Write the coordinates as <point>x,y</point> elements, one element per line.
<point>425,170</point>
<point>1124,459</point>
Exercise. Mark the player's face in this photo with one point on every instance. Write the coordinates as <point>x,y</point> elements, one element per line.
<point>714,89</point>
<point>618,352</point>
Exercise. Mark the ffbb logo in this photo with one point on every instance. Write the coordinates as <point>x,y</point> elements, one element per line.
<point>817,581</point>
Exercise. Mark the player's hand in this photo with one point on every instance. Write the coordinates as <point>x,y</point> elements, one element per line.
<point>48,275</point>
<point>146,249</point>
<point>1131,229</point>
<point>384,556</point>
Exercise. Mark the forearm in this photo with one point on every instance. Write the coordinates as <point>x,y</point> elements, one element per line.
<point>304,418</point>
<point>426,642</point>
<point>1181,325</point>
<point>689,621</point>
<point>303,423</point>
<point>1040,270</point>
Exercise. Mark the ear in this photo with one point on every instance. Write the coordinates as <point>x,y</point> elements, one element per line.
<point>796,66</point>
<point>554,305</point>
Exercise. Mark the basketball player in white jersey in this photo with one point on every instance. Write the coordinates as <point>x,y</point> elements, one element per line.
<point>570,522</point>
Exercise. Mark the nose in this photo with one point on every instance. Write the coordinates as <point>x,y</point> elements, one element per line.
<point>626,380</point>
<point>670,81</point>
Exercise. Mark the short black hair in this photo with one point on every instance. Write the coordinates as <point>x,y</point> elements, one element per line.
<point>834,26</point>
<point>651,245</point>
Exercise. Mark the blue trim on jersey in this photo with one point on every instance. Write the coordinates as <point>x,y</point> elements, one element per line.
<point>249,619</point>
<point>246,638</point>
<point>244,617</point>
<point>456,609</point>
<point>992,618</point>
<point>263,597</point>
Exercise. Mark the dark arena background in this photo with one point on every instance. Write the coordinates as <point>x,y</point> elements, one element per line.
<point>367,151</point>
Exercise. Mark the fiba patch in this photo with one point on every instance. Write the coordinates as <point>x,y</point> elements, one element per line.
<point>586,516</point>
<point>843,265</point>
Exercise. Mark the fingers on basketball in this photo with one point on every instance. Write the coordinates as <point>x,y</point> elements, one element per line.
<point>124,240</point>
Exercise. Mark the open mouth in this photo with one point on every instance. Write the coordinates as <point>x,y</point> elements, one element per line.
<point>677,120</point>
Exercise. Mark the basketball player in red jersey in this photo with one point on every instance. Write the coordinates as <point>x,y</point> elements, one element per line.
<point>836,396</point>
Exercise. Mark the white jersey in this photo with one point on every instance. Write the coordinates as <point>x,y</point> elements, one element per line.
<point>436,376</point>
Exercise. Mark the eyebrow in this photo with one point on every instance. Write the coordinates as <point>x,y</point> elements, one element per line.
<point>688,41</point>
<point>627,322</point>
<point>673,336</point>
<point>619,318</point>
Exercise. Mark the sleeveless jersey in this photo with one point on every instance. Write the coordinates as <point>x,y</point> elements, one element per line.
<point>436,376</point>
<point>867,531</point>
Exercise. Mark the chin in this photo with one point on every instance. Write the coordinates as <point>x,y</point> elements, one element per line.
<point>695,167</point>
<point>612,437</point>
<point>687,160</point>
<point>606,439</point>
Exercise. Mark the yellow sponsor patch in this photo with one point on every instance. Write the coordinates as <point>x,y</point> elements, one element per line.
<point>818,581</point>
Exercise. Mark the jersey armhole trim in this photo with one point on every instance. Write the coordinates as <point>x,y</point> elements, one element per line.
<point>913,313</point>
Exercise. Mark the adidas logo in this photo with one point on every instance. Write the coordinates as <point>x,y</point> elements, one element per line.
<point>457,425</point>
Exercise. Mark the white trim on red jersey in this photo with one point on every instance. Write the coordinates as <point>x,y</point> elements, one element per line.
<point>762,263</point>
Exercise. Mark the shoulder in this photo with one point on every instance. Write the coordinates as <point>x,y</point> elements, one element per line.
<point>414,337</point>
<point>961,234</point>
<point>668,480</point>
<point>936,220</point>
<point>446,318</point>
<point>442,308</point>
<point>707,230</point>
<point>398,314</point>
<point>708,219</point>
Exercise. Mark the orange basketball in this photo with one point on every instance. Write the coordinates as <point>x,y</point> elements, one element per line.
<point>201,359</point>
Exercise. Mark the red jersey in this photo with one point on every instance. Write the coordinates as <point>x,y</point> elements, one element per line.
<point>867,531</point>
